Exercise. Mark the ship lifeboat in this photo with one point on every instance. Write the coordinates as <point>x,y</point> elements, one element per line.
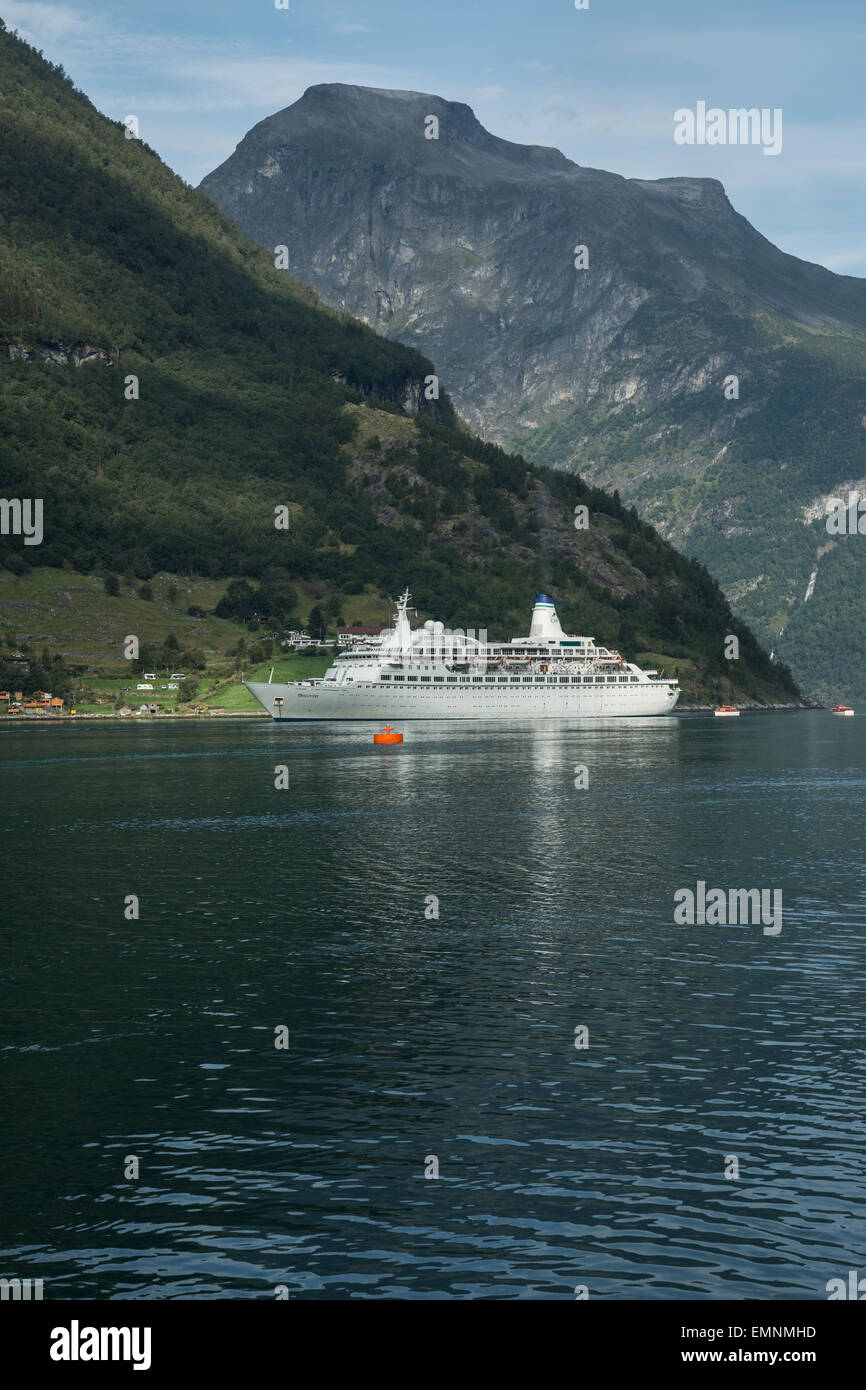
<point>726,712</point>
<point>841,709</point>
<point>388,735</point>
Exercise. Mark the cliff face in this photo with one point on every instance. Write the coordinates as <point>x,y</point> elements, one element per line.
<point>61,354</point>
<point>465,247</point>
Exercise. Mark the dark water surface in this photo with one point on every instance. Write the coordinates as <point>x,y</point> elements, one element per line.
<point>413,1037</point>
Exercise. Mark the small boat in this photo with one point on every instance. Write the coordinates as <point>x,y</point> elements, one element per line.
<point>841,709</point>
<point>726,712</point>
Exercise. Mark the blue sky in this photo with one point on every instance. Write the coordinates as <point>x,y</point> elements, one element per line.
<point>602,84</point>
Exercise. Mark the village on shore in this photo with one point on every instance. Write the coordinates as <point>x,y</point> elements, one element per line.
<point>42,704</point>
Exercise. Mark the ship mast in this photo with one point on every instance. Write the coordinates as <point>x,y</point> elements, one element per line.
<point>402,635</point>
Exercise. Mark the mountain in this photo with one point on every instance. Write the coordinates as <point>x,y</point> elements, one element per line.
<point>464,247</point>
<point>163,388</point>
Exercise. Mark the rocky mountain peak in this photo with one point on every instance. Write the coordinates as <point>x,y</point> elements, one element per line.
<point>394,126</point>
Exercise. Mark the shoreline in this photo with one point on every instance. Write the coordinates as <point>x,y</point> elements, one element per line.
<point>129,718</point>
<point>12,720</point>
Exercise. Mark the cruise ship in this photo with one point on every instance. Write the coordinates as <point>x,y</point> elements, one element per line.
<point>429,672</point>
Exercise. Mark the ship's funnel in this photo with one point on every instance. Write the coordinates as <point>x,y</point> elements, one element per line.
<point>545,621</point>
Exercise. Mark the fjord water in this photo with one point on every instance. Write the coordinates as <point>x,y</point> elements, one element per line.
<point>413,1037</point>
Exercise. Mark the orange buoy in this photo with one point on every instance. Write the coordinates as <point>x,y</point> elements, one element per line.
<point>388,736</point>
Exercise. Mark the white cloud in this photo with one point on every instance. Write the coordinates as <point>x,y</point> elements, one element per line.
<point>41,23</point>
<point>176,72</point>
<point>268,83</point>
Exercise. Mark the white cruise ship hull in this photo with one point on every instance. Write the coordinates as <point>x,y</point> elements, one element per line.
<point>374,701</point>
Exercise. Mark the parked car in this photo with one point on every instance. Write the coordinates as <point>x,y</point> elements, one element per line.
<point>177,676</point>
<point>150,675</point>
